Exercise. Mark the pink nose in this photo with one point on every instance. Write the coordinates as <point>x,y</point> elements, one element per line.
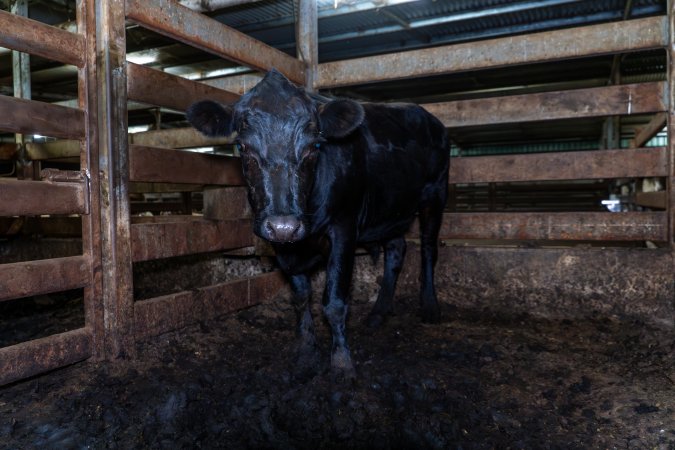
<point>282,229</point>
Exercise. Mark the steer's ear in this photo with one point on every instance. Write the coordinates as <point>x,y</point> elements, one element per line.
<point>340,117</point>
<point>210,118</point>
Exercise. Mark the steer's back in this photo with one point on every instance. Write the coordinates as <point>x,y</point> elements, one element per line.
<point>407,157</point>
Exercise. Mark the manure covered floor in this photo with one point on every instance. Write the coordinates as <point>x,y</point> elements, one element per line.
<point>474,381</point>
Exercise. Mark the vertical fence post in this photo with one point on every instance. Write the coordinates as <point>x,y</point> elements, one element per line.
<point>91,223</point>
<point>307,40</point>
<point>113,159</point>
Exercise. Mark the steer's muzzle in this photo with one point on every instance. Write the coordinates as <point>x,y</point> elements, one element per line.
<point>282,229</point>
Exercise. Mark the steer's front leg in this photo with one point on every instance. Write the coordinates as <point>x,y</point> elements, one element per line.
<point>335,296</point>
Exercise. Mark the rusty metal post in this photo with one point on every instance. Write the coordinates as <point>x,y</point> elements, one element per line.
<point>307,40</point>
<point>109,54</point>
<point>91,223</point>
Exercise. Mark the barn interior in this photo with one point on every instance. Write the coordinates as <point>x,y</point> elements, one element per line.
<point>128,269</point>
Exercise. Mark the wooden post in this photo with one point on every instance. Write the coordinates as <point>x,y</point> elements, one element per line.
<point>108,52</point>
<point>307,39</point>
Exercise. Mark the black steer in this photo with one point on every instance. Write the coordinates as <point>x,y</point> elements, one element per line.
<point>327,175</point>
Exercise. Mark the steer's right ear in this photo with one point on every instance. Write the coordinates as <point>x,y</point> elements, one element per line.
<point>210,118</point>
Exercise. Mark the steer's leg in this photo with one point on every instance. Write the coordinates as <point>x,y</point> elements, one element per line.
<point>307,355</point>
<point>394,252</point>
<point>335,296</point>
<point>430,216</point>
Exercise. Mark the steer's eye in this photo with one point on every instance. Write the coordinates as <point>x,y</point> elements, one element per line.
<point>241,148</point>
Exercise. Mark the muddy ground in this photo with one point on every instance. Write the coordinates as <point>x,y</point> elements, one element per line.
<point>475,381</point>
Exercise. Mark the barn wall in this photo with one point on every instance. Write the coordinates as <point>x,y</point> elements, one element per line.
<point>549,282</point>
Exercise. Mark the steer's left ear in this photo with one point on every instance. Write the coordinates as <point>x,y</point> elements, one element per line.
<point>340,117</point>
<point>211,118</point>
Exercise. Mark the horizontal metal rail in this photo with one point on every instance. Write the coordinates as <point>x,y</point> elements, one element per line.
<point>572,226</point>
<point>30,36</point>
<point>159,165</point>
<point>25,197</point>
<point>170,312</point>
<point>41,355</point>
<point>24,279</point>
<point>582,165</point>
<point>602,39</point>
<point>621,100</point>
<point>33,117</point>
<point>186,237</point>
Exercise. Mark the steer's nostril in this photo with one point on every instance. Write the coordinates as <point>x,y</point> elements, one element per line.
<point>283,229</point>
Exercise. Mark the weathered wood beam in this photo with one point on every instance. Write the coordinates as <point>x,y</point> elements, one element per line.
<point>170,312</point>
<point>42,197</point>
<point>30,36</point>
<point>594,226</point>
<point>178,22</point>
<point>159,88</point>
<point>32,117</point>
<point>24,279</point>
<point>239,84</point>
<point>169,239</point>
<point>52,150</point>
<point>658,199</point>
<point>177,166</point>
<point>226,203</point>
<point>614,37</point>
<point>41,355</point>
<point>650,130</point>
<point>593,102</point>
<point>582,165</point>
<point>175,138</point>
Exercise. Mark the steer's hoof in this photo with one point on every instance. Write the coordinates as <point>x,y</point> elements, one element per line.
<point>342,369</point>
<point>307,362</point>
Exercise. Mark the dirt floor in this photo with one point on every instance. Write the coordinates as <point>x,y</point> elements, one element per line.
<point>475,381</point>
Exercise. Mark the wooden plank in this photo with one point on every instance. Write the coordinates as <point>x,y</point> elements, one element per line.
<point>175,166</point>
<point>23,197</point>
<point>572,104</point>
<point>159,88</point>
<point>593,226</point>
<point>30,36</point>
<point>647,132</point>
<point>24,279</point>
<point>53,150</point>
<point>602,39</point>
<point>169,239</point>
<point>41,355</point>
<point>170,312</point>
<point>226,203</point>
<point>239,84</point>
<point>171,19</point>
<point>176,138</point>
<point>658,199</point>
<point>583,165</point>
<point>31,117</point>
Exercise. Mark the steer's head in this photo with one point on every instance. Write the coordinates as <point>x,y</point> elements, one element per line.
<point>280,133</point>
